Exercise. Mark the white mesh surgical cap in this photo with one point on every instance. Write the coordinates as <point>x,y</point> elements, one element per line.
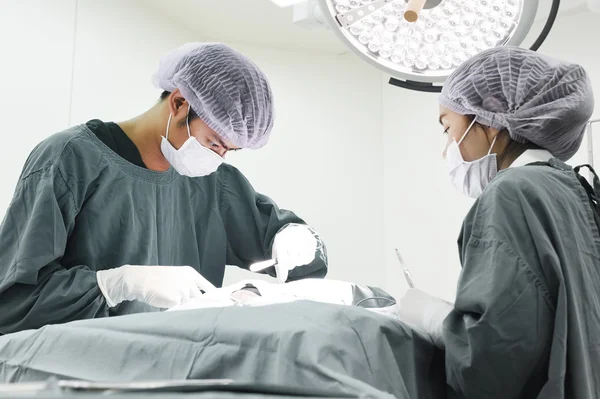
<point>224,88</point>
<point>538,99</point>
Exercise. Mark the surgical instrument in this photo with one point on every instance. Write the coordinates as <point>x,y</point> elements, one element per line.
<point>405,270</point>
<point>259,266</point>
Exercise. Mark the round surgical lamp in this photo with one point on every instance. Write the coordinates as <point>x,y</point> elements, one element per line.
<point>420,42</point>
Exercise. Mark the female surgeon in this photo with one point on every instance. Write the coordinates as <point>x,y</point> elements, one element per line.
<point>526,320</point>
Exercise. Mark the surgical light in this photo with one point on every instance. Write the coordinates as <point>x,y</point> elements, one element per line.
<point>420,55</point>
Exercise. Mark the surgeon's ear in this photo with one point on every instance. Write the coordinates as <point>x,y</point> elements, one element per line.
<point>178,106</point>
<point>501,140</point>
<point>491,133</point>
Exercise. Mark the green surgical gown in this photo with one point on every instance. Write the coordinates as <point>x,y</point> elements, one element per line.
<point>526,322</point>
<point>79,208</point>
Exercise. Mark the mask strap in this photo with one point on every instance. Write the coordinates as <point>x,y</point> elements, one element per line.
<point>492,147</point>
<point>187,121</point>
<point>168,126</point>
<point>467,132</point>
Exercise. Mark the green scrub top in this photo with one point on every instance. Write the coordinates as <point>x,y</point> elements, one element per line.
<point>526,322</point>
<point>79,207</point>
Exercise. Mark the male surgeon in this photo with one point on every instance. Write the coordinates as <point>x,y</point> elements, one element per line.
<point>111,219</point>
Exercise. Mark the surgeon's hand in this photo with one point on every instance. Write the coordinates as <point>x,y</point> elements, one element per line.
<point>424,312</point>
<point>158,286</point>
<point>293,246</point>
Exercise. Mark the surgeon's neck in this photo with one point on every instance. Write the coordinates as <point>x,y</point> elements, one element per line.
<point>146,131</point>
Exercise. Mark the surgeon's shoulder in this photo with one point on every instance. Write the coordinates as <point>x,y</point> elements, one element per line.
<point>528,182</point>
<point>68,149</point>
<point>230,175</point>
<point>232,184</point>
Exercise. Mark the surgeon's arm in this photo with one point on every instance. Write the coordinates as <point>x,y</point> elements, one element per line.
<point>35,289</point>
<point>498,336</point>
<point>251,222</point>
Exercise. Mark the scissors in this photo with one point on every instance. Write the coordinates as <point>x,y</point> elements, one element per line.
<point>405,270</point>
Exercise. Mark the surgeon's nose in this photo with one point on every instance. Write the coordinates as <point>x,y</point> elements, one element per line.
<point>445,152</point>
<point>220,151</point>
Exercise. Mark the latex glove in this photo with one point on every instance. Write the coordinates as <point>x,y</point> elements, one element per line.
<point>426,313</point>
<point>158,286</point>
<point>293,246</point>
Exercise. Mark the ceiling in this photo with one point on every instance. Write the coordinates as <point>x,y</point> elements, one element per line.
<point>260,22</point>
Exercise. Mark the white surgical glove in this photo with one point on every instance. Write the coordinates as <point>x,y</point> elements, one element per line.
<point>293,246</point>
<point>426,313</point>
<point>158,286</point>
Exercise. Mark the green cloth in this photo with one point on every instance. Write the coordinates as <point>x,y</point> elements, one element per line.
<point>526,322</point>
<point>79,208</point>
<point>299,344</point>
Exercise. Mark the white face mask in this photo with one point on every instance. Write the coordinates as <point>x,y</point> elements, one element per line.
<point>192,159</point>
<point>470,178</point>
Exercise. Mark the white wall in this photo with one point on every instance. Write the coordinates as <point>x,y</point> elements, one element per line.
<point>36,47</point>
<point>325,158</point>
<point>423,213</point>
<point>117,48</point>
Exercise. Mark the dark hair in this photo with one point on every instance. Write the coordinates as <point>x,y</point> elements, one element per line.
<point>165,94</point>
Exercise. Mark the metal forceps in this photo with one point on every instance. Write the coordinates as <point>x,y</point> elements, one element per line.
<point>405,270</point>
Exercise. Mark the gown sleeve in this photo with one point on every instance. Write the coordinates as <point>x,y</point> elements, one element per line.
<point>498,337</point>
<point>35,289</point>
<point>251,222</point>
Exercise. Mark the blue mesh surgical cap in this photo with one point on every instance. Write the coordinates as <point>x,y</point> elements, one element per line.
<point>538,99</point>
<point>224,88</point>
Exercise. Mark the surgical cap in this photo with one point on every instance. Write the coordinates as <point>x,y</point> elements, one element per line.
<point>538,99</point>
<point>224,88</point>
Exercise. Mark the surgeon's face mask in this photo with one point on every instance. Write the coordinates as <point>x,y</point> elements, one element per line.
<point>470,178</point>
<point>192,159</point>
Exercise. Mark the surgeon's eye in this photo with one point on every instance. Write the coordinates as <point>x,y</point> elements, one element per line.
<point>214,144</point>
<point>446,131</point>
